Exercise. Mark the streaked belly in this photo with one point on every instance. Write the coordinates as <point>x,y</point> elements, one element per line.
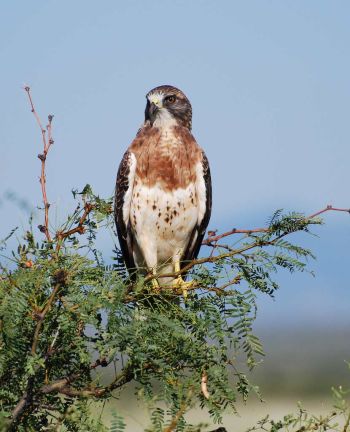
<point>163,219</point>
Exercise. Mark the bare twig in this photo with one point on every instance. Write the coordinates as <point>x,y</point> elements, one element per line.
<point>80,227</point>
<point>47,142</point>
<point>329,207</point>
<point>212,239</point>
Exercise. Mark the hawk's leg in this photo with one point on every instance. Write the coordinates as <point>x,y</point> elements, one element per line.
<point>155,283</point>
<point>149,252</point>
<point>179,282</point>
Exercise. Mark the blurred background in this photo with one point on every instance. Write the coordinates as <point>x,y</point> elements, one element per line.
<point>269,85</point>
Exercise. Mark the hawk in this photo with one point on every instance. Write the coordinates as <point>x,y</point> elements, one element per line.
<point>163,191</point>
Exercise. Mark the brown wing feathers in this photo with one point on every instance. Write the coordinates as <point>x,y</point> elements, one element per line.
<point>194,245</point>
<point>124,234</point>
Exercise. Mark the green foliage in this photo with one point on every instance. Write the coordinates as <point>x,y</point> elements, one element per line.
<point>66,317</point>
<point>117,424</point>
<point>337,420</point>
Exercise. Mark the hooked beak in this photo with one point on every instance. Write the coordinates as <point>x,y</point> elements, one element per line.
<point>153,109</point>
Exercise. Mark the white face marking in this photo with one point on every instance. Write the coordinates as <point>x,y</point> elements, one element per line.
<point>157,99</point>
<point>164,118</point>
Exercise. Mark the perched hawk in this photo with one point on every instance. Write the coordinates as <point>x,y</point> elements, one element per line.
<point>163,190</point>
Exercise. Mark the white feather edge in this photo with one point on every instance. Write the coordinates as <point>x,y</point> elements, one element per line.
<point>201,198</point>
<point>201,192</point>
<point>128,194</point>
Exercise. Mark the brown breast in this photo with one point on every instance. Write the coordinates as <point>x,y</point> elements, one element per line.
<point>166,156</point>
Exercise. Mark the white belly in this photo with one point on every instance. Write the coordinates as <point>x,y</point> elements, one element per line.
<point>162,223</point>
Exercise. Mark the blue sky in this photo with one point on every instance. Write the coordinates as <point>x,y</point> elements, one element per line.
<point>269,85</point>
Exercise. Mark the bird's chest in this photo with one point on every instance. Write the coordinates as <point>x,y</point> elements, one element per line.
<point>162,214</point>
<point>166,162</point>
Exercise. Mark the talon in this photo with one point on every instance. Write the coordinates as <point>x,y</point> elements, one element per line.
<point>181,284</point>
<point>155,284</point>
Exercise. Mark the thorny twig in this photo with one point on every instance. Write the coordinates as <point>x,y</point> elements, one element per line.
<point>215,238</point>
<point>47,142</point>
<point>80,226</point>
<point>79,229</point>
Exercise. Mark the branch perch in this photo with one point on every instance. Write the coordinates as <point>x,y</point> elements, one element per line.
<point>215,238</point>
<point>47,142</point>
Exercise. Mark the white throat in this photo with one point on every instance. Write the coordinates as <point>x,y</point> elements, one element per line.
<point>164,119</point>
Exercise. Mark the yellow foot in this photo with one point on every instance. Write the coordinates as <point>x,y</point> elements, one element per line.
<point>155,284</point>
<point>180,283</point>
<point>184,286</point>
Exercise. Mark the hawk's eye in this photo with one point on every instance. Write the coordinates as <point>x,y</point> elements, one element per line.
<point>170,99</point>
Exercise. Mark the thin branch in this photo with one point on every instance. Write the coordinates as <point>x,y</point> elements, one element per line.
<point>47,142</point>
<point>27,89</point>
<point>212,259</point>
<point>193,263</point>
<point>41,317</point>
<point>216,238</point>
<point>212,239</point>
<point>79,228</point>
<point>63,385</point>
<point>329,207</point>
<point>58,385</point>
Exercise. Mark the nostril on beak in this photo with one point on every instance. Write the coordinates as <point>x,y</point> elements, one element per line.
<point>153,109</point>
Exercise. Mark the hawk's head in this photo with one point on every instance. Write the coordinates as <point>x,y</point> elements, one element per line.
<point>168,105</point>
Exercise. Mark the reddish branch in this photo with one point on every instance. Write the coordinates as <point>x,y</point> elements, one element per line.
<point>47,142</point>
<point>329,207</point>
<point>47,139</point>
<point>211,240</point>
<point>79,229</point>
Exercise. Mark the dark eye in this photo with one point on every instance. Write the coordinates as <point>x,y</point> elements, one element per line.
<point>170,99</point>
